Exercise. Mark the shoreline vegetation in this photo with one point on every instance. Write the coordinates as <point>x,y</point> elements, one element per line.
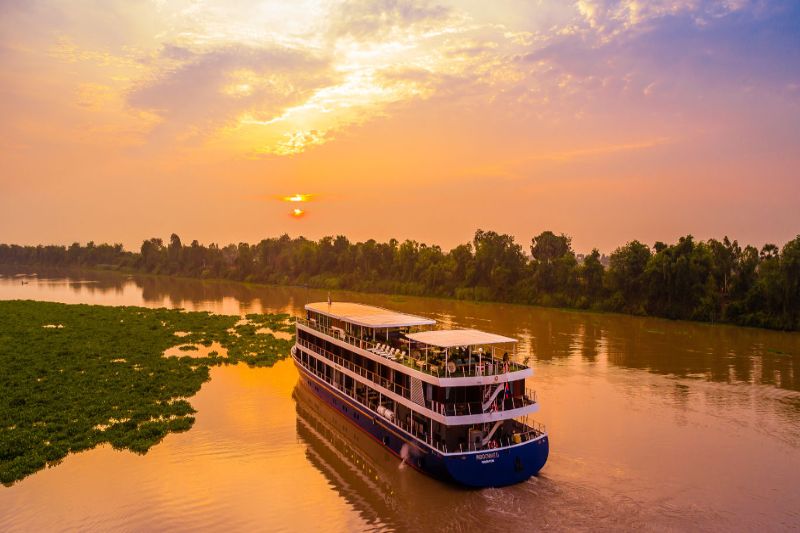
<point>707,281</point>
<point>74,376</point>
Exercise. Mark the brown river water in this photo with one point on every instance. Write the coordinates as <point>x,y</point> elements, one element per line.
<point>654,425</point>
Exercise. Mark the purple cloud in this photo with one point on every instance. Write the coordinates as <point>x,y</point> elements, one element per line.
<point>370,18</point>
<point>194,93</point>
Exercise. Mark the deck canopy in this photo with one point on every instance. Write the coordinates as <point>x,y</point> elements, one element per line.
<point>367,315</point>
<point>448,338</point>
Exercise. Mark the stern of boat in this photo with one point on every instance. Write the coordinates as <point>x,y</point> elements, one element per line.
<point>500,466</point>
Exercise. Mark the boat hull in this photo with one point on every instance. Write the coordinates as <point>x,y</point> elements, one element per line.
<point>487,468</point>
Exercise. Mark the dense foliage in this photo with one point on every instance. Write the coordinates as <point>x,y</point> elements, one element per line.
<point>74,376</point>
<point>718,281</point>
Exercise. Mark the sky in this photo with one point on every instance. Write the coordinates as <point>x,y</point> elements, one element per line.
<point>605,120</point>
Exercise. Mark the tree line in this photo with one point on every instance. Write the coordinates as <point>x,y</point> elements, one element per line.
<point>713,281</point>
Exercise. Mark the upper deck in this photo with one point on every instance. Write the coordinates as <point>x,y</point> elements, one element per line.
<point>367,316</point>
<point>453,357</point>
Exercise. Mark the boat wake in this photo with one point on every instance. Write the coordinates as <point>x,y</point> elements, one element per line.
<point>405,454</point>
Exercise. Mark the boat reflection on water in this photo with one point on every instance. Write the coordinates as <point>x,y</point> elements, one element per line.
<point>387,494</point>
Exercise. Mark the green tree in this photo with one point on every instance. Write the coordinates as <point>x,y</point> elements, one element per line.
<point>591,275</point>
<point>790,274</point>
<point>554,269</point>
<point>548,247</point>
<point>678,282</point>
<point>152,252</point>
<point>626,277</point>
<point>499,262</point>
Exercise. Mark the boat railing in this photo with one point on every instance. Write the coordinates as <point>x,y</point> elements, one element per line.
<point>530,395</point>
<point>373,406</point>
<point>487,366</point>
<point>446,409</point>
<point>530,429</point>
<point>360,370</point>
<point>473,408</point>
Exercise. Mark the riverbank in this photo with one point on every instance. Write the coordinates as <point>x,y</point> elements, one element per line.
<point>703,281</point>
<point>375,298</point>
<point>75,376</point>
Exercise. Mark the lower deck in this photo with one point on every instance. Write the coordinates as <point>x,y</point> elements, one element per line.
<point>447,438</point>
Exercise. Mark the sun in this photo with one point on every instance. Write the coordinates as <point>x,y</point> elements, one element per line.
<point>297,198</point>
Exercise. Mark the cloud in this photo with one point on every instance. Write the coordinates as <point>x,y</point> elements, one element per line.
<point>673,51</point>
<point>176,52</point>
<point>381,18</point>
<point>283,78</point>
<point>612,17</point>
<point>296,142</point>
<point>211,87</point>
<point>283,99</point>
<point>406,74</point>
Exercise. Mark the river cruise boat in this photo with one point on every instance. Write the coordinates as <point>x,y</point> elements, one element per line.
<point>451,403</point>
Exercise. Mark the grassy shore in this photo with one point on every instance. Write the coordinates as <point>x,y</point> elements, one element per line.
<point>75,376</point>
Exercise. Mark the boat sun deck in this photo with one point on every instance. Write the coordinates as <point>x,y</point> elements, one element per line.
<point>461,352</point>
<point>398,337</point>
<point>367,316</point>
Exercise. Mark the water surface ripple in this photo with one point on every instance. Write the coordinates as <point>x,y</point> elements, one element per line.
<point>654,425</point>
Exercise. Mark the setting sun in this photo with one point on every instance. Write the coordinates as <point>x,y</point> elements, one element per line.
<point>297,198</point>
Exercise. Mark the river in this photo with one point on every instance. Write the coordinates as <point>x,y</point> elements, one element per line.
<point>653,425</point>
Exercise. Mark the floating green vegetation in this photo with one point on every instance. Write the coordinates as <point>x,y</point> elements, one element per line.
<point>75,376</point>
<point>775,351</point>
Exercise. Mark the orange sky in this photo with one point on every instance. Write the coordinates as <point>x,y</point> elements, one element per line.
<point>608,121</point>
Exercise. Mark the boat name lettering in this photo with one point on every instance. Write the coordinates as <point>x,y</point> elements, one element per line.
<point>492,455</point>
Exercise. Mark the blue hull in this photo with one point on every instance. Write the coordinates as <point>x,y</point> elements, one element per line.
<point>488,468</point>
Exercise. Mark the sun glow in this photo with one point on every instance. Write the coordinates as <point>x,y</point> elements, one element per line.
<point>297,198</point>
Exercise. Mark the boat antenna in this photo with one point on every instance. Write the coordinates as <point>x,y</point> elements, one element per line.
<point>329,298</point>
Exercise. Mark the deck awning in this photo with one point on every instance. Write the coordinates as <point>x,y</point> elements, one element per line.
<point>448,338</point>
<point>367,315</point>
